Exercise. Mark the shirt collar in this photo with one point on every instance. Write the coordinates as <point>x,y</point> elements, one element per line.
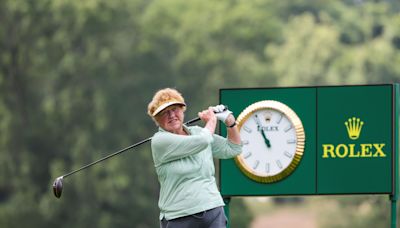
<point>186,128</point>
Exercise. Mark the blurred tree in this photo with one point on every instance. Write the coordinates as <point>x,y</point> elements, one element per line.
<point>202,46</point>
<point>76,77</point>
<point>357,212</point>
<point>57,65</point>
<point>340,45</point>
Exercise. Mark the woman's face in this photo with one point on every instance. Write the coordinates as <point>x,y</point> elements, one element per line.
<point>171,118</point>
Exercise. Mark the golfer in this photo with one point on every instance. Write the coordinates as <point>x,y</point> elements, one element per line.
<point>183,158</point>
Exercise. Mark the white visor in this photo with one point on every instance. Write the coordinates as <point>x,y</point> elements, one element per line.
<point>165,105</point>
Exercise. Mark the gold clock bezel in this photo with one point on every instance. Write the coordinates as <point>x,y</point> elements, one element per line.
<point>300,142</point>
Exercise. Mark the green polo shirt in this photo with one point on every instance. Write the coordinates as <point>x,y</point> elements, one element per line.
<point>185,169</point>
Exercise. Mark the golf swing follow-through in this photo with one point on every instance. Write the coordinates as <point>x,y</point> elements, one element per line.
<point>58,182</point>
<point>183,159</point>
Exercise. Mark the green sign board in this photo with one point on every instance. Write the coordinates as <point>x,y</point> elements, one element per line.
<point>349,147</point>
<point>355,140</point>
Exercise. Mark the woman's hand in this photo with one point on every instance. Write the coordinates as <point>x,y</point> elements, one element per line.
<point>208,116</point>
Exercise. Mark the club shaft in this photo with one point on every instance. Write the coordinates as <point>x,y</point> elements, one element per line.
<point>107,157</point>
<point>120,151</point>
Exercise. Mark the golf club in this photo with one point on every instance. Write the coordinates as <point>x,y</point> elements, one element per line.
<point>58,182</point>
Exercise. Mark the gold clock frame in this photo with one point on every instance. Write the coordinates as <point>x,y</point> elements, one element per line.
<point>300,142</point>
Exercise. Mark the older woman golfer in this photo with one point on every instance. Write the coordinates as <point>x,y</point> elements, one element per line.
<point>183,158</point>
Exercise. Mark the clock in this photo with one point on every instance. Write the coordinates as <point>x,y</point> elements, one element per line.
<point>273,141</point>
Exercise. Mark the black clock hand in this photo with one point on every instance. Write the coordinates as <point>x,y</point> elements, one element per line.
<point>262,132</point>
<point>265,139</point>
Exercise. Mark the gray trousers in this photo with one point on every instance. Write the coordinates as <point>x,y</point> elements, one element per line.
<point>214,218</point>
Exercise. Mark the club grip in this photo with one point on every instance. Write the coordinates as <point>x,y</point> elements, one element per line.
<point>225,108</point>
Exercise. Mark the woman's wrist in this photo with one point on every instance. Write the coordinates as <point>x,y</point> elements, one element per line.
<point>231,125</point>
<point>230,122</point>
<point>211,124</point>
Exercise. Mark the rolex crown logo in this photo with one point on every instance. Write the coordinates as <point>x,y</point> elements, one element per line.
<point>268,116</point>
<point>354,126</point>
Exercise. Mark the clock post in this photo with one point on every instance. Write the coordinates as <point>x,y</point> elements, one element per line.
<point>227,201</point>
<point>294,137</point>
<point>394,195</point>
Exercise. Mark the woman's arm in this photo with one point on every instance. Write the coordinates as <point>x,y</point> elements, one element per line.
<point>209,118</point>
<point>233,132</point>
<point>168,146</point>
<point>231,146</point>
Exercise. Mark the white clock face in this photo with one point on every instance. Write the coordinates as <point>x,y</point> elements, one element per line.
<point>269,142</point>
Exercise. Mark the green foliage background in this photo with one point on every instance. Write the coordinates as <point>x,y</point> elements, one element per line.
<point>76,77</point>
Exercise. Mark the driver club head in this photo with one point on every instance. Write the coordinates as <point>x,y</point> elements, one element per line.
<point>57,186</point>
